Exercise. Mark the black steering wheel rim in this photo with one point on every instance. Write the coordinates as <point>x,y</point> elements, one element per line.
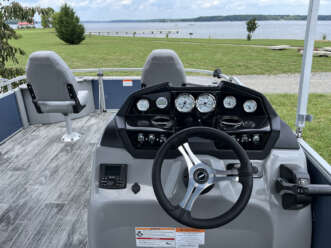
<point>244,173</point>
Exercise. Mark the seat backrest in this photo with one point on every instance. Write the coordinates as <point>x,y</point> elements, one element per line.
<point>49,75</point>
<point>161,66</point>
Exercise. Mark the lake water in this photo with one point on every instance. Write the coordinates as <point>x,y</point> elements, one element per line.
<point>228,30</point>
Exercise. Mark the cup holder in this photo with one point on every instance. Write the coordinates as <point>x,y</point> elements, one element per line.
<point>230,123</point>
<point>162,121</point>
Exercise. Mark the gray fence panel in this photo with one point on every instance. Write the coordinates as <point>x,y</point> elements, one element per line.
<point>116,92</point>
<point>10,120</point>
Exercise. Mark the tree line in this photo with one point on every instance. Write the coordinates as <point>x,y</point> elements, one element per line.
<point>66,23</point>
<point>232,18</point>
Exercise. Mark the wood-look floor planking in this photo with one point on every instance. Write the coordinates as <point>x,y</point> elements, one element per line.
<point>44,185</point>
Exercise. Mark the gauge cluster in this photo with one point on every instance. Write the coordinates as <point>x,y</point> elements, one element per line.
<point>151,115</point>
<point>155,116</point>
<point>203,103</point>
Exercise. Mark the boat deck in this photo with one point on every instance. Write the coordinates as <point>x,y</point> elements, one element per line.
<point>44,185</point>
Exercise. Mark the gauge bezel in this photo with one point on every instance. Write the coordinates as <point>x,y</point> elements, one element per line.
<point>247,102</point>
<point>143,99</point>
<point>227,97</point>
<point>213,106</point>
<point>181,95</point>
<point>159,106</point>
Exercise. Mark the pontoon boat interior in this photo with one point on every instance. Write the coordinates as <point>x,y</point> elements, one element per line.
<point>177,164</point>
<point>187,165</point>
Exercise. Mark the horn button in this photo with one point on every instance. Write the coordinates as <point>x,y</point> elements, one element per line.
<point>201,176</point>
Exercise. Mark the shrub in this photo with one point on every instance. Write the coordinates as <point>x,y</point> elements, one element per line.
<point>324,37</point>
<point>251,26</point>
<point>67,26</point>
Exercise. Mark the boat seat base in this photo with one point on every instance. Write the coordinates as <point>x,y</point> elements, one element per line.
<point>72,137</point>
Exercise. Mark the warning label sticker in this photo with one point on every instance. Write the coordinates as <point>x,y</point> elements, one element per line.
<point>127,83</point>
<point>155,237</point>
<point>169,237</point>
<point>188,237</point>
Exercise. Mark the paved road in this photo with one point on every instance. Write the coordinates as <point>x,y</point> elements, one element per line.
<point>282,83</point>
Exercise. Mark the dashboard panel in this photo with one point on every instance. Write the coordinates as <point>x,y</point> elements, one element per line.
<point>151,115</point>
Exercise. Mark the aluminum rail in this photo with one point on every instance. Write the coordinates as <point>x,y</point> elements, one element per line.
<point>307,61</point>
<point>100,77</point>
<point>207,72</point>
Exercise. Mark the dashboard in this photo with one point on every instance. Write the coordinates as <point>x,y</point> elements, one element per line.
<point>151,115</point>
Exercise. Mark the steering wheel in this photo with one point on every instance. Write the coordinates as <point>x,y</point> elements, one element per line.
<point>201,176</point>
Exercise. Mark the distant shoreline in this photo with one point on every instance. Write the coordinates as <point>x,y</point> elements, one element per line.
<point>229,18</point>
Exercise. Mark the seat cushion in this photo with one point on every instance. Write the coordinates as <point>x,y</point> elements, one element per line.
<point>63,107</point>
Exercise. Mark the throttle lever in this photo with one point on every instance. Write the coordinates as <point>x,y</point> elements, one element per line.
<point>304,189</point>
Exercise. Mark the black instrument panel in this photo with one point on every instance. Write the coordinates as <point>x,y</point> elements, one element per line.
<point>143,132</point>
<point>149,129</point>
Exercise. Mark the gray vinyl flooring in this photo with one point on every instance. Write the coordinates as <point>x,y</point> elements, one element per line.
<point>44,185</point>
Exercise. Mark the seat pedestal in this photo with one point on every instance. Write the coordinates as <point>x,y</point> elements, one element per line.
<point>70,136</point>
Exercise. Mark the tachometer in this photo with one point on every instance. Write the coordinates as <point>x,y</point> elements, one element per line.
<point>161,102</point>
<point>143,105</point>
<point>229,102</point>
<point>184,103</point>
<point>206,103</point>
<point>250,106</point>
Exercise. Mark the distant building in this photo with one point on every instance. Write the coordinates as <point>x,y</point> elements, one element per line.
<point>25,25</point>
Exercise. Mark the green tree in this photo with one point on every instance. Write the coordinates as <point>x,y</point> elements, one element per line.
<point>67,26</point>
<point>9,11</point>
<point>46,17</point>
<point>251,26</point>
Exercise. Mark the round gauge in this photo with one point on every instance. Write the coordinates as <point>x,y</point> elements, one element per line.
<point>206,103</point>
<point>185,103</point>
<point>229,102</point>
<point>143,105</point>
<point>161,102</point>
<point>250,106</point>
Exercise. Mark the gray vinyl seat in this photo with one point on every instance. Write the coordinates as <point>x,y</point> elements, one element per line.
<point>54,88</point>
<point>161,66</point>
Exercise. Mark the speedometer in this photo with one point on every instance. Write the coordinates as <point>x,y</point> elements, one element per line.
<point>184,103</point>
<point>206,103</point>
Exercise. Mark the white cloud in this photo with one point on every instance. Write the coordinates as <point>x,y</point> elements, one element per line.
<point>146,9</point>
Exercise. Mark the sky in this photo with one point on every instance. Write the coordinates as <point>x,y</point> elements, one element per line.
<point>153,9</point>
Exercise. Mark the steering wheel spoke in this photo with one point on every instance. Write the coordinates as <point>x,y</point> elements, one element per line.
<point>226,175</point>
<point>190,158</point>
<point>192,193</point>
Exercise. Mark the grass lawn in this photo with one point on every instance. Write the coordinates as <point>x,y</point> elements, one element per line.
<point>317,133</point>
<point>97,51</point>
<point>261,42</point>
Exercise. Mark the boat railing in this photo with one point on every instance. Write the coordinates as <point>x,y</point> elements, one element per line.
<point>6,85</point>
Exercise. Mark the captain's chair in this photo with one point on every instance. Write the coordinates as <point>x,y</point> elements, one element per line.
<point>53,88</point>
<point>162,66</point>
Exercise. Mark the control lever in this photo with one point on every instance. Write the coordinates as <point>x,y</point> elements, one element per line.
<point>294,186</point>
<point>305,189</point>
